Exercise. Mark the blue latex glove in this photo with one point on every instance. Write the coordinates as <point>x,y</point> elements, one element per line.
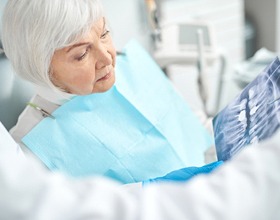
<point>184,174</point>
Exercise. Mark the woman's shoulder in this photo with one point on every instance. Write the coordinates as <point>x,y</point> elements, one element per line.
<point>30,117</point>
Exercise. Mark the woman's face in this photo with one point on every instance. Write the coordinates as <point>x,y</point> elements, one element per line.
<point>87,66</point>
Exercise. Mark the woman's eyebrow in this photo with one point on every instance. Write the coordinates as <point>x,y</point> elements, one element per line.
<point>77,45</point>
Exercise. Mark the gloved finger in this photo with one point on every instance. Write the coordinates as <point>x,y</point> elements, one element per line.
<point>195,170</point>
<point>211,166</point>
<point>181,175</point>
<point>186,173</point>
<point>199,170</point>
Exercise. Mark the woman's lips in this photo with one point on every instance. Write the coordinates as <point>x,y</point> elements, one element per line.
<point>107,76</point>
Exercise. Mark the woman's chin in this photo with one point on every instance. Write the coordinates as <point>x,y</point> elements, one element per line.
<point>104,85</point>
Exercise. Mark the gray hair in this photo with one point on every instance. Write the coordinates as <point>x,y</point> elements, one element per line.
<point>33,29</point>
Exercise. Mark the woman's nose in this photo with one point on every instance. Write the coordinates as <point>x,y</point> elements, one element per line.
<point>104,58</point>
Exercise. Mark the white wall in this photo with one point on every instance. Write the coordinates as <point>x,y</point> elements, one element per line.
<point>128,20</point>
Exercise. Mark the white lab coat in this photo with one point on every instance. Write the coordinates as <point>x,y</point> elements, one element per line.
<point>245,188</point>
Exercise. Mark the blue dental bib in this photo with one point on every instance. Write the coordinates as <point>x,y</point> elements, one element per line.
<point>139,129</point>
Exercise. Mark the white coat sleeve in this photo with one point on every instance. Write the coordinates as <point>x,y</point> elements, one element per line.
<point>244,188</point>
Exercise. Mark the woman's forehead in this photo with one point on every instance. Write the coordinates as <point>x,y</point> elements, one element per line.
<point>99,24</point>
<point>96,27</point>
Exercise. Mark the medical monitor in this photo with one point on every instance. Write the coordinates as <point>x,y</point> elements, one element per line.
<point>180,43</point>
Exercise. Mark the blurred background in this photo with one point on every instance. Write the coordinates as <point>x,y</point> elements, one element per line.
<point>237,30</point>
<point>210,49</point>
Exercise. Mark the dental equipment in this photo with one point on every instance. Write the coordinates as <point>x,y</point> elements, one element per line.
<point>43,112</point>
<point>191,43</point>
<point>201,69</point>
<point>153,18</point>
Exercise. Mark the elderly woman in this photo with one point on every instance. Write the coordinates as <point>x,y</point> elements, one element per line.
<point>93,126</point>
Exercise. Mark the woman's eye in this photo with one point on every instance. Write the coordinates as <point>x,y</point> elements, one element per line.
<point>82,56</point>
<point>103,36</point>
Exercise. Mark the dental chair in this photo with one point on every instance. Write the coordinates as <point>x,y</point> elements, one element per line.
<point>14,93</point>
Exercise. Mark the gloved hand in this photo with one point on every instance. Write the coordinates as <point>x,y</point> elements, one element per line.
<point>184,174</point>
